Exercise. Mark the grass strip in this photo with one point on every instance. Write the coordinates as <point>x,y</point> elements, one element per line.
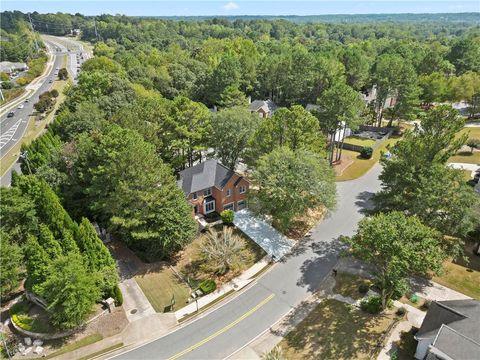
<point>102,352</point>
<point>88,340</point>
<point>206,307</point>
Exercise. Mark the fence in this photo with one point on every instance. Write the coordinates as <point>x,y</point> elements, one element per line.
<point>378,142</point>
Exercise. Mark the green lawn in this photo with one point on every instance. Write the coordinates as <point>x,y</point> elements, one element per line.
<point>473,132</point>
<point>347,285</point>
<point>357,140</point>
<point>335,330</point>
<point>466,157</point>
<point>87,340</point>
<point>462,276</point>
<point>361,166</point>
<point>159,284</point>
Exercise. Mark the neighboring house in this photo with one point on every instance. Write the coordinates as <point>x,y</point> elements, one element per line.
<point>370,95</point>
<point>210,186</point>
<point>312,107</point>
<point>450,330</point>
<point>11,67</point>
<point>264,108</point>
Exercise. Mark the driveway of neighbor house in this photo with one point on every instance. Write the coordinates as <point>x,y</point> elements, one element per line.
<point>275,244</point>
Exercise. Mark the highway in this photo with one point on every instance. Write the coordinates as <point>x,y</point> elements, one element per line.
<point>12,129</point>
<point>227,329</point>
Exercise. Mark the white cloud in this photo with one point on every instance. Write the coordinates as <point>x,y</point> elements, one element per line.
<point>231,6</point>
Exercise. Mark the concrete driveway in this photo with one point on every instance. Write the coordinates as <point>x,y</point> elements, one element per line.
<point>274,243</point>
<point>237,322</point>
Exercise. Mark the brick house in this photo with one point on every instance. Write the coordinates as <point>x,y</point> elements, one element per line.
<point>264,108</point>
<point>210,186</point>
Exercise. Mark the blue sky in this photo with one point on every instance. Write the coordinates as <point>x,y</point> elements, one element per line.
<point>240,7</point>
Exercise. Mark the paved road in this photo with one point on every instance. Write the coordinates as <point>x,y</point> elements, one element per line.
<point>230,327</point>
<point>12,129</point>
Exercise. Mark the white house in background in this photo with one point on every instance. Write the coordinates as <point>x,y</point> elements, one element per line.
<point>341,133</point>
<point>370,95</point>
<point>11,67</point>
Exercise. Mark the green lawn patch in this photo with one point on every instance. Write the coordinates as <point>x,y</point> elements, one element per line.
<point>466,157</point>
<point>87,340</point>
<point>360,166</point>
<point>159,284</point>
<point>101,352</point>
<point>360,141</point>
<point>473,132</point>
<point>348,285</point>
<point>463,275</point>
<point>335,330</point>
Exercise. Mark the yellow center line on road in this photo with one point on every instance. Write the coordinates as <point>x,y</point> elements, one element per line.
<point>226,328</point>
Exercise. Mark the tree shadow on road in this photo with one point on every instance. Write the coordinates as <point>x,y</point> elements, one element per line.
<point>365,202</point>
<point>315,270</point>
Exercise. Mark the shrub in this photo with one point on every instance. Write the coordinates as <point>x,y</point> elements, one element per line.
<point>426,304</point>
<point>7,85</point>
<point>117,296</point>
<point>372,304</point>
<point>21,81</point>
<point>414,298</point>
<point>366,152</point>
<point>207,286</point>
<point>4,77</point>
<point>54,93</point>
<point>63,74</point>
<point>363,288</point>
<point>227,216</point>
<point>401,311</point>
<point>21,307</point>
<point>275,354</point>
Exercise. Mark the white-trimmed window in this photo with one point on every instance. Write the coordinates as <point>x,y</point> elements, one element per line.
<point>194,196</point>
<point>242,204</point>
<point>207,192</point>
<point>228,192</point>
<point>228,206</point>
<point>242,189</point>
<point>209,207</point>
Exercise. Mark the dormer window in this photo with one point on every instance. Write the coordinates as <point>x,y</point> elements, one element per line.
<point>207,192</point>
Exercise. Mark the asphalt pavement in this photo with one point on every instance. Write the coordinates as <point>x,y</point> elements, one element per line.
<point>222,332</point>
<point>12,129</point>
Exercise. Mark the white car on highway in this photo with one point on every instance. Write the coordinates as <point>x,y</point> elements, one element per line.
<point>21,106</point>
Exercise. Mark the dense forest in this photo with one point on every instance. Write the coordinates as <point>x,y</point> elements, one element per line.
<point>140,111</point>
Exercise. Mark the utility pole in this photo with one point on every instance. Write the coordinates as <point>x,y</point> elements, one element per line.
<point>33,30</point>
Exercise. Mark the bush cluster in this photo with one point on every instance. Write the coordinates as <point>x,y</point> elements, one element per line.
<point>372,304</point>
<point>207,286</point>
<point>227,217</point>
<point>366,152</point>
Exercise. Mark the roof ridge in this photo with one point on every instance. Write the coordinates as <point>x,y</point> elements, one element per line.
<point>456,332</point>
<point>450,309</point>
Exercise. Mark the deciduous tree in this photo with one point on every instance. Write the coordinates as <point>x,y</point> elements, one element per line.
<point>287,183</point>
<point>398,246</point>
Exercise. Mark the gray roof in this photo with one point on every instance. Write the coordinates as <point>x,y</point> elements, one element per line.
<point>7,66</point>
<point>455,326</point>
<point>203,176</point>
<point>267,105</point>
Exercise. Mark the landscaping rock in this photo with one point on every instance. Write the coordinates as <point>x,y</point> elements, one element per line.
<point>27,341</point>
<point>21,348</point>
<point>27,351</point>
<point>37,342</point>
<point>38,350</point>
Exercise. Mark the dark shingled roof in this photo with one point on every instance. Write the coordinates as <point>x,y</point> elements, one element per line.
<point>455,325</point>
<point>203,176</point>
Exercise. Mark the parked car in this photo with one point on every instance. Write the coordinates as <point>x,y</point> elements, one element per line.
<point>27,100</point>
<point>50,81</point>
<point>11,114</point>
<point>21,106</point>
